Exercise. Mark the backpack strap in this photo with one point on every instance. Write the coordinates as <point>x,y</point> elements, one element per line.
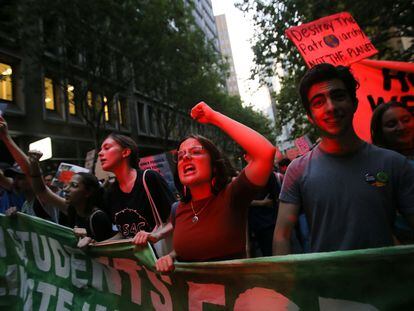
<point>94,212</point>
<point>279,178</point>
<point>156,215</point>
<point>174,207</point>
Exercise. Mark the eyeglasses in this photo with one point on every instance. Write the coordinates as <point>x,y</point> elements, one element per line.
<point>192,152</point>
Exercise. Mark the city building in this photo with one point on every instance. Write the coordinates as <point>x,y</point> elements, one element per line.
<point>37,104</point>
<point>226,52</point>
<point>204,18</point>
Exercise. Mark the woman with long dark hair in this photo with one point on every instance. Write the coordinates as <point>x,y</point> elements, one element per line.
<point>82,203</point>
<point>126,199</point>
<point>210,220</point>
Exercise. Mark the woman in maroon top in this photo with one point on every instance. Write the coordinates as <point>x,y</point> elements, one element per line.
<point>210,220</point>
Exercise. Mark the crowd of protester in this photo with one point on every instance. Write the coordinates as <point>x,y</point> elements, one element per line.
<point>343,194</point>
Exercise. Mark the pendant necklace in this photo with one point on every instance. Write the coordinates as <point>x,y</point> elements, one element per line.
<point>195,217</point>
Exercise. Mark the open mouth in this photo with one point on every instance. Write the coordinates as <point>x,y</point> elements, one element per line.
<point>189,169</point>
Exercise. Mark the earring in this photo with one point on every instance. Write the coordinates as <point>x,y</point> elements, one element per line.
<point>213,182</point>
<point>185,191</point>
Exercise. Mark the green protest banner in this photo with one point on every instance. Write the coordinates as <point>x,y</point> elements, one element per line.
<point>41,269</point>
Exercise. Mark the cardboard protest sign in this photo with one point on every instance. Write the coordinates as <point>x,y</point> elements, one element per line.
<point>335,39</point>
<point>381,82</point>
<point>89,159</point>
<point>161,163</point>
<point>43,145</point>
<point>65,172</point>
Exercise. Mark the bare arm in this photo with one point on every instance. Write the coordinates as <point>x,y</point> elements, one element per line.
<point>165,264</point>
<point>286,220</point>
<point>43,193</point>
<point>15,151</point>
<point>259,148</point>
<point>142,237</point>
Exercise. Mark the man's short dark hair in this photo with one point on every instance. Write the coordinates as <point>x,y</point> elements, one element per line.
<point>325,72</point>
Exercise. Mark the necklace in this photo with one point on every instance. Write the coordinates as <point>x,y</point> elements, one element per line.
<point>195,217</point>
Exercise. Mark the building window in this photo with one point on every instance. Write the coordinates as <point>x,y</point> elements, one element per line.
<point>71,99</point>
<point>99,103</point>
<point>151,120</point>
<point>122,111</point>
<point>89,99</point>
<point>106,109</point>
<point>106,113</point>
<point>141,118</point>
<point>50,102</point>
<point>6,84</point>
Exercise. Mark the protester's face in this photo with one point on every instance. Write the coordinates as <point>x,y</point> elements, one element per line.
<point>398,128</point>
<point>112,154</point>
<point>331,108</point>
<point>193,163</point>
<point>21,183</point>
<point>75,191</point>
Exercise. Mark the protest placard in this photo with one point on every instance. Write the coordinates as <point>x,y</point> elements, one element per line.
<point>335,39</point>
<point>161,163</point>
<point>65,172</point>
<point>44,146</point>
<point>381,82</point>
<point>303,144</point>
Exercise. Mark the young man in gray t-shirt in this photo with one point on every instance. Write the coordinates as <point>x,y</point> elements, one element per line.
<point>349,190</point>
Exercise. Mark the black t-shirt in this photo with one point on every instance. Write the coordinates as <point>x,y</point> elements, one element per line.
<point>261,217</point>
<point>131,212</point>
<point>98,225</point>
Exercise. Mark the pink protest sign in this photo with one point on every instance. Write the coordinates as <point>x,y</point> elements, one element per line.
<point>303,144</point>
<point>335,39</point>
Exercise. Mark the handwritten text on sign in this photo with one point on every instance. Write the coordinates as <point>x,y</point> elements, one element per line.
<point>335,39</point>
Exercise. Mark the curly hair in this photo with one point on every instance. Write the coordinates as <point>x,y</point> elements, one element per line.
<point>221,168</point>
<point>325,72</point>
